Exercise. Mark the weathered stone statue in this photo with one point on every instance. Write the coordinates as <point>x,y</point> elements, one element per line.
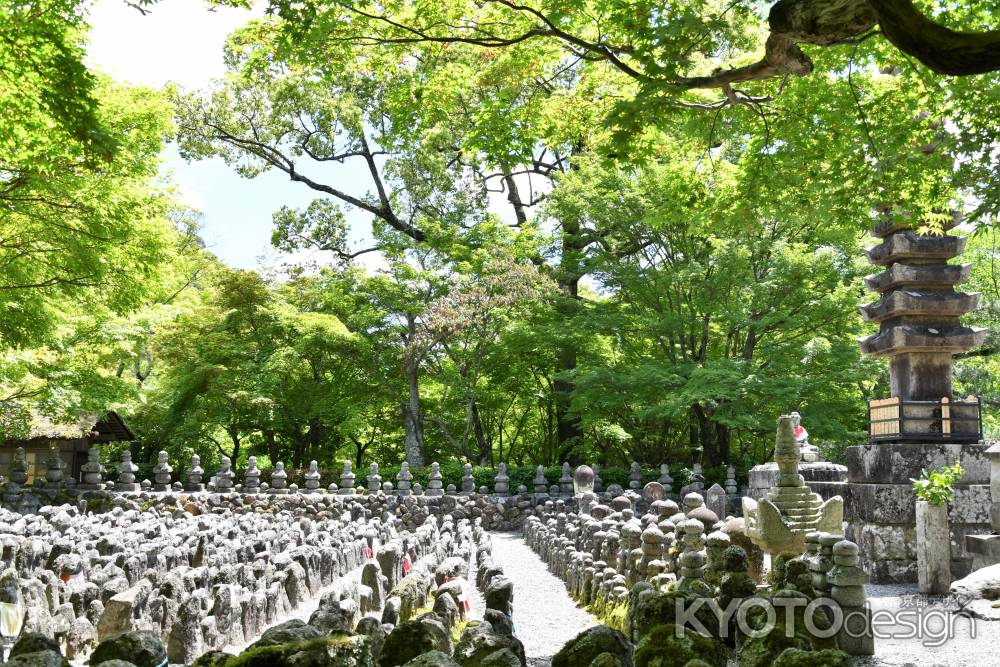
<point>731,487</point>
<point>195,473</point>
<point>93,471</point>
<point>665,479</point>
<point>126,474</point>
<point>279,479</point>
<point>468,481</point>
<point>347,478</point>
<point>312,478</point>
<point>374,479</point>
<point>54,467</point>
<point>251,480</point>
<point>539,482</point>
<point>809,453</point>
<point>161,473</point>
<point>224,477</point>
<point>566,481</point>
<point>847,586</point>
<point>635,477</point>
<point>19,468</point>
<point>404,480</point>
<point>598,482</point>
<point>583,481</point>
<point>435,487</point>
<point>501,484</point>
<point>779,523</point>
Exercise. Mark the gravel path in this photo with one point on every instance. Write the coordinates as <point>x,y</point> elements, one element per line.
<point>545,617</point>
<point>966,642</point>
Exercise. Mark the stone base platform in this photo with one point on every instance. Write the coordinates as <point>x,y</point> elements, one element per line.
<point>880,505</point>
<point>823,478</point>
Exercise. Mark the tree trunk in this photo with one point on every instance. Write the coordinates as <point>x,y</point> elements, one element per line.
<point>569,433</point>
<point>477,428</point>
<point>412,420</point>
<point>272,446</point>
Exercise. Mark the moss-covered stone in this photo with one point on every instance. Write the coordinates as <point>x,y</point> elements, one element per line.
<point>671,646</point>
<point>286,633</point>
<point>333,651</point>
<point>586,647</point>
<point>410,639</point>
<point>661,609</point>
<point>478,641</point>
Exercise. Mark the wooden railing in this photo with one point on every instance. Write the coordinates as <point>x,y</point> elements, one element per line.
<point>891,419</point>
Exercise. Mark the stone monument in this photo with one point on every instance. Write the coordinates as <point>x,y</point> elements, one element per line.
<point>224,477</point>
<point>312,477</point>
<point>404,480</point>
<point>93,471</point>
<point>778,523</point>
<point>279,479</point>
<point>251,479</point>
<point>374,479</point>
<point>126,474</point>
<point>922,425</point>
<point>635,477</point>
<point>539,482</point>
<point>501,484</point>
<point>347,477</point>
<point>826,479</point>
<point>566,481</point>
<point>434,483</point>
<point>583,481</point>
<point>468,482</point>
<point>161,473</point>
<point>195,473</point>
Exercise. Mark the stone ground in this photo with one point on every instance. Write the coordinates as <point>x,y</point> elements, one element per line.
<point>545,617</point>
<point>971,642</point>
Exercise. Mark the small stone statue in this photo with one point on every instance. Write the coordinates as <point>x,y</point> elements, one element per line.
<point>161,473</point>
<point>93,471</point>
<point>566,481</point>
<point>598,482</point>
<point>501,484</point>
<point>312,477</point>
<point>731,487</point>
<point>539,482</point>
<point>374,479</point>
<point>404,478</point>
<point>194,476</point>
<point>665,479</point>
<point>583,481</point>
<point>54,467</point>
<point>279,479</point>
<point>126,474</point>
<point>19,468</point>
<point>251,480</point>
<point>347,478</point>
<point>224,477</point>
<point>808,453</point>
<point>145,486</point>
<point>468,482</point>
<point>847,586</point>
<point>434,483</point>
<point>635,477</point>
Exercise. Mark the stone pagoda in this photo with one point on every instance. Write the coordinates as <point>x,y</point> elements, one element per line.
<point>778,523</point>
<point>922,425</point>
<point>920,330</point>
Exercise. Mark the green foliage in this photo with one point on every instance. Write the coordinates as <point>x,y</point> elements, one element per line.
<point>936,487</point>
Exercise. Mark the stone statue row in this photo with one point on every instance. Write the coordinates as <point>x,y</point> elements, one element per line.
<point>584,479</point>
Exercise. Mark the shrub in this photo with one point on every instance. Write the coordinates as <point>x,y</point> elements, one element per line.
<point>936,487</point>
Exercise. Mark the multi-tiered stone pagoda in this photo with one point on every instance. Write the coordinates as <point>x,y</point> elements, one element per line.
<point>922,425</point>
<point>920,330</point>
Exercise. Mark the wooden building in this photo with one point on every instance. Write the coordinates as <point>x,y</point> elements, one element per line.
<point>72,438</point>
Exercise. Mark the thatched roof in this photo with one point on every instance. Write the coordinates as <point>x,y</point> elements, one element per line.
<point>104,428</point>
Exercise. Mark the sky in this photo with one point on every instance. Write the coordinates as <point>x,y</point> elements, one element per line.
<point>181,41</point>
